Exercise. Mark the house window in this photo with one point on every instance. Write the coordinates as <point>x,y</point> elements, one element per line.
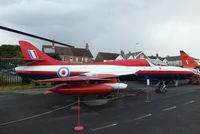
<point>86,59</point>
<point>141,56</point>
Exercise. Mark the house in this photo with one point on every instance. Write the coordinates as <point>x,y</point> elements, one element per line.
<point>157,60</point>
<point>135,55</point>
<point>70,54</point>
<point>174,60</point>
<point>104,56</point>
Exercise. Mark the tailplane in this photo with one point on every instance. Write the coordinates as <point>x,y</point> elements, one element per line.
<point>187,61</point>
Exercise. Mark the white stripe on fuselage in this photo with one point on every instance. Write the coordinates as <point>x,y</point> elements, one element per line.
<point>100,69</point>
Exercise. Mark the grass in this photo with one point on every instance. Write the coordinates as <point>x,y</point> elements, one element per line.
<point>23,87</point>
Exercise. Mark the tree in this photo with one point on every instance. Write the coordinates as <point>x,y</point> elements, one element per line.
<point>10,51</point>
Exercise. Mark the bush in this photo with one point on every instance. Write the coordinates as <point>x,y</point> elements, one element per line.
<point>2,80</point>
<point>44,84</point>
<point>37,84</point>
<point>26,81</point>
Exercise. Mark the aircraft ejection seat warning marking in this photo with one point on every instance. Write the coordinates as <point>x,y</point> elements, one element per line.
<point>186,61</point>
<point>63,72</point>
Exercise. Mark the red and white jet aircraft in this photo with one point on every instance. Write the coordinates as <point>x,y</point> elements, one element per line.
<point>91,78</point>
<point>190,63</point>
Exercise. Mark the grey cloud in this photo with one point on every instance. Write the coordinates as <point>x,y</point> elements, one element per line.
<point>158,25</point>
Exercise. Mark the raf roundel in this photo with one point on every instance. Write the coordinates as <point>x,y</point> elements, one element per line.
<point>63,72</point>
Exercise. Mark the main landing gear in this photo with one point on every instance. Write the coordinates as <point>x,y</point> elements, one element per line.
<point>161,87</point>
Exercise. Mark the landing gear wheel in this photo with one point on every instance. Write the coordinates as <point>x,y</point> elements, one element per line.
<point>161,87</point>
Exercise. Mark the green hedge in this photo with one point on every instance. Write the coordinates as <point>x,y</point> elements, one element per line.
<point>2,80</point>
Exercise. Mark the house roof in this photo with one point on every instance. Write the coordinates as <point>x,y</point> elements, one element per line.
<point>169,58</point>
<point>81,52</point>
<point>155,57</point>
<point>173,58</point>
<point>63,51</point>
<point>126,56</point>
<point>70,51</point>
<point>136,53</point>
<point>109,56</point>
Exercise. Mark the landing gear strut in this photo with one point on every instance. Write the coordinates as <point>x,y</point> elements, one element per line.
<point>162,88</point>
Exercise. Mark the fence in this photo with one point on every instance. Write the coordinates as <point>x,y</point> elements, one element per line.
<point>7,72</point>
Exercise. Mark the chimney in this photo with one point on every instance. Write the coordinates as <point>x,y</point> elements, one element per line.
<point>87,46</point>
<point>157,55</point>
<point>122,53</point>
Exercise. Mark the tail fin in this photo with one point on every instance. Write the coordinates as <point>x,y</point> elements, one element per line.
<point>187,61</point>
<point>32,53</point>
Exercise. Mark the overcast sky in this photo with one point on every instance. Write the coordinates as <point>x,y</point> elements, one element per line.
<point>159,26</point>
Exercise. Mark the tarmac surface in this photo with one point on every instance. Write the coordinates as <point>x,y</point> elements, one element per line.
<point>177,111</point>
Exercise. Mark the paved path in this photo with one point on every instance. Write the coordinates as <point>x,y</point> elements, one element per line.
<point>177,111</point>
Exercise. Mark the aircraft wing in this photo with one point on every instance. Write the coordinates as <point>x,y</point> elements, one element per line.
<point>82,78</point>
<point>80,85</point>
